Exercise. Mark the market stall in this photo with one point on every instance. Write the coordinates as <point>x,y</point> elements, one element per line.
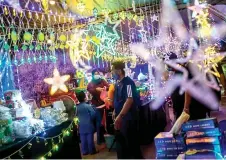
<point>48,49</point>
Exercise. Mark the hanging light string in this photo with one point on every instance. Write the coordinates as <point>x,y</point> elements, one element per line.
<point>64,133</point>
<point>9,157</point>
<point>10,12</point>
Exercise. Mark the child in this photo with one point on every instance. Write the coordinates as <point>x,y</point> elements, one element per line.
<point>86,116</point>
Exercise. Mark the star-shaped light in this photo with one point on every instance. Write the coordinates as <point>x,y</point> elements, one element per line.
<point>197,8</point>
<point>106,39</point>
<point>57,82</point>
<point>154,18</point>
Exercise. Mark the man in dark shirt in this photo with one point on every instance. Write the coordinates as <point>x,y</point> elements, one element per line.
<point>126,102</point>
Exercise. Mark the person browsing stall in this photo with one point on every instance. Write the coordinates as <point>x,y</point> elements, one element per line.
<point>126,102</point>
<point>95,87</point>
<point>86,116</point>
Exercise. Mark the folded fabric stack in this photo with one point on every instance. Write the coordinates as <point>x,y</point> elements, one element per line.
<point>169,146</point>
<point>203,139</point>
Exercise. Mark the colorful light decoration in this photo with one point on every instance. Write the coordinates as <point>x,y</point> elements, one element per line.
<point>45,5</point>
<point>107,39</point>
<point>197,8</point>
<point>205,27</point>
<point>57,82</point>
<point>78,49</point>
<point>154,18</point>
<point>212,58</point>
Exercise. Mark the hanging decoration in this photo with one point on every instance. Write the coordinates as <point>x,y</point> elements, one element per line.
<point>57,82</point>
<point>154,18</point>
<point>45,5</point>
<point>78,49</point>
<point>103,40</point>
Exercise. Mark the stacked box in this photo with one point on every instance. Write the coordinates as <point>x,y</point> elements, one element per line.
<point>200,124</point>
<point>203,139</point>
<point>169,146</point>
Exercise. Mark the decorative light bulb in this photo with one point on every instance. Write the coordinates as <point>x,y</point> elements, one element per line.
<point>52,2</point>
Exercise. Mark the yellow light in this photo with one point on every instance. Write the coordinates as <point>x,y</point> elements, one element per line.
<point>81,6</point>
<point>57,82</point>
<point>52,2</point>
<point>55,147</point>
<point>42,158</point>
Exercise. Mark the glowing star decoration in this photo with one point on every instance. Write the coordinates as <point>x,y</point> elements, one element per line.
<point>107,40</point>
<point>57,82</point>
<point>154,18</point>
<point>143,35</point>
<point>197,8</point>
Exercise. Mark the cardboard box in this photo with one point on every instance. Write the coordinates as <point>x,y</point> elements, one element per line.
<point>165,138</point>
<point>172,148</point>
<point>199,124</point>
<point>204,132</point>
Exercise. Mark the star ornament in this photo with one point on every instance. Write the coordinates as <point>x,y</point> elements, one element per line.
<point>154,18</point>
<point>197,8</point>
<point>106,40</point>
<point>57,82</point>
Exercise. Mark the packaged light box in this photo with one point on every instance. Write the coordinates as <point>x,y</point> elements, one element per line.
<point>198,124</point>
<point>171,148</point>
<point>165,138</point>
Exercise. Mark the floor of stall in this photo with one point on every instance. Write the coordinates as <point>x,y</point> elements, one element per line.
<point>148,151</point>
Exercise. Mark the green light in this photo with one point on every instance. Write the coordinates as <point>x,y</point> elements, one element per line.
<point>107,39</point>
<point>55,147</point>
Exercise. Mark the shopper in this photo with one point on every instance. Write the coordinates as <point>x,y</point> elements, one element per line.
<point>86,115</point>
<point>126,102</point>
<point>95,87</point>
